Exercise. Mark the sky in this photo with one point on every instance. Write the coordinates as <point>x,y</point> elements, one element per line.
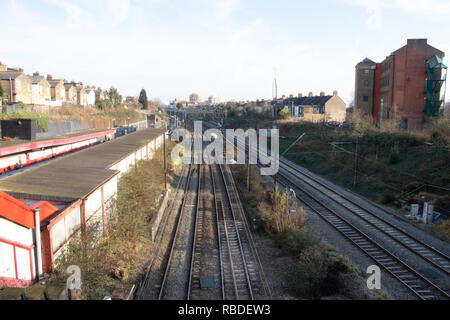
<point>231,49</point>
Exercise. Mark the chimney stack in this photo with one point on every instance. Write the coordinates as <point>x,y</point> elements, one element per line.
<point>291,96</point>
<point>310,94</point>
<point>36,74</point>
<point>300,95</point>
<point>49,77</point>
<point>335,93</point>
<point>322,94</point>
<point>3,67</point>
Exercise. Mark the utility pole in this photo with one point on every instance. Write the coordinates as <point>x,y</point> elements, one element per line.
<point>356,161</point>
<point>248,175</point>
<point>165,164</point>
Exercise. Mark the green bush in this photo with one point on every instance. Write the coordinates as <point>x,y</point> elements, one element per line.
<point>394,158</point>
<point>296,240</point>
<point>311,272</point>
<point>284,114</point>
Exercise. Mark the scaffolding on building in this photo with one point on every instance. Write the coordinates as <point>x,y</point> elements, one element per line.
<point>436,86</point>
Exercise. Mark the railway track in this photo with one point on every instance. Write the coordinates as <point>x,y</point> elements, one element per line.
<point>237,284</point>
<point>212,241</point>
<point>433,256</point>
<point>422,287</point>
<point>218,254</point>
<point>174,274</point>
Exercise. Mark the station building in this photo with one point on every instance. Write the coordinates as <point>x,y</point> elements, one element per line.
<point>59,199</point>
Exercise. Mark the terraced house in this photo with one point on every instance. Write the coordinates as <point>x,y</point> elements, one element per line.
<point>71,92</point>
<point>57,90</point>
<point>40,89</point>
<point>81,95</point>
<point>90,96</point>
<point>16,85</point>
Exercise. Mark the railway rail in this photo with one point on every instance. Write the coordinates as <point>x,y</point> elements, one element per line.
<point>433,256</point>
<point>421,286</point>
<point>219,249</point>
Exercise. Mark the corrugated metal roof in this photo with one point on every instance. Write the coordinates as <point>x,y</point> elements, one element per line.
<point>75,177</point>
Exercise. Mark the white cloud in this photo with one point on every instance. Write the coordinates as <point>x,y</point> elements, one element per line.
<point>225,7</point>
<point>119,10</point>
<point>73,12</point>
<point>437,9</point>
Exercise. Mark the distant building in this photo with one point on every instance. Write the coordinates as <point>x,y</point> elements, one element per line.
<point>407,85</point>
<point>57,89</point>
<point>40,89</point>
<point>131,100</point>
<point>90,96</point>
<point>314,108</point>
<point>71,92</point>
<point>99,94</point>
<point>16,84</point>
<point>213,100</point>
<point>195,98</point>
<point>81,95</point>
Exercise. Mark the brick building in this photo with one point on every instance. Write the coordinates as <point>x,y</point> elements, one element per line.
<point>16,84</point>
<point>407,85</point>
<point>57,89</point>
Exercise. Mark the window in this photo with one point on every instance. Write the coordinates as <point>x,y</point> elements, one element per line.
<point>366,71</point>
<point>366,98</point>
<point>384,82</point>
<point>366,83</point>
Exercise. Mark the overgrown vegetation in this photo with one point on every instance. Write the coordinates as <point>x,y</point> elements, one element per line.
<point>390,163</point>
<point>320,270</point>
<point>42,120</point>
<point>120,255</point>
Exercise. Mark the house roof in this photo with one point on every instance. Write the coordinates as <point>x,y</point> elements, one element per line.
<point>367,60</point>
<point>54,83</point>
<point>6,75</point>
<point>311,101</point>
<point>68,85</point>
<point>36,79</point>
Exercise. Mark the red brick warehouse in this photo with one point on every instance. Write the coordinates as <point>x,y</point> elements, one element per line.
<point>409,85</point>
